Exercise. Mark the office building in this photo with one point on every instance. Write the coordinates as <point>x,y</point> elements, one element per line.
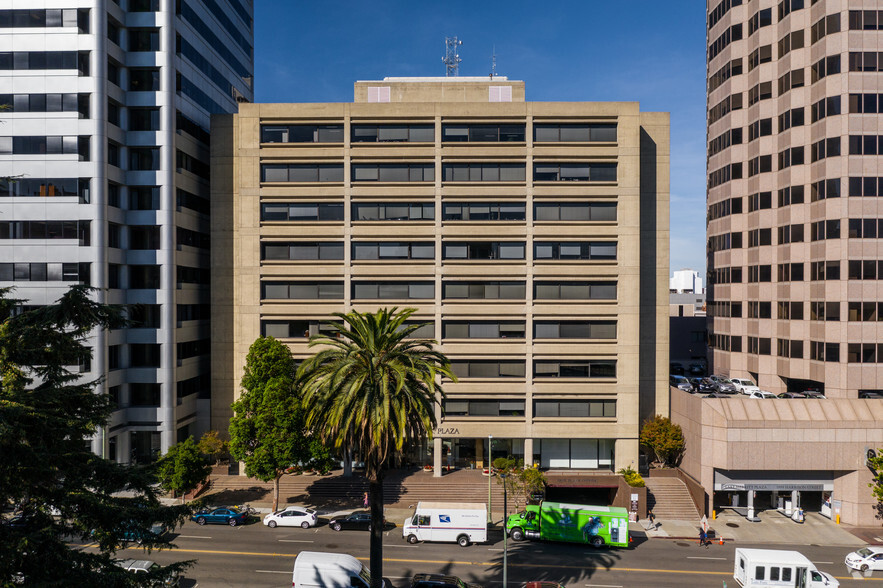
<point>106,141</point>
<point>532,237</point>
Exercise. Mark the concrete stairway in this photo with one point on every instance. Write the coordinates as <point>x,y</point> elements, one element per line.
<point>670,500</point>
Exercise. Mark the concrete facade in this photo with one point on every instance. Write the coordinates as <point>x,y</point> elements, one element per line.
<point>106,139</point>
<point>456,197</point>
<point>794,177</point>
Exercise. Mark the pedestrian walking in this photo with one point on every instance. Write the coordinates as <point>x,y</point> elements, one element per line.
<point>365,500</point>
<point>652,518</point>
<point>703,538</point>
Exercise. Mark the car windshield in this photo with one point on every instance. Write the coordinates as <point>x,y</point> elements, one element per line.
<point>310,511</point>
<point>864,552</point>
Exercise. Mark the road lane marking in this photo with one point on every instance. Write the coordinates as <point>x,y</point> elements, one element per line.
<point>296,540</point>
<point>408,546</point>
<point>193,537</point>
<point>824,562</point>
<point>272,571</point>
<point>720,558</point>
<point>603,585</point>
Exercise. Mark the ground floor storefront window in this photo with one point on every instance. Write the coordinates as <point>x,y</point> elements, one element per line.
<point>583,454</point>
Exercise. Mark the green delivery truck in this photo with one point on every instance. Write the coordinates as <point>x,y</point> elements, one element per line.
<point>574,523</point>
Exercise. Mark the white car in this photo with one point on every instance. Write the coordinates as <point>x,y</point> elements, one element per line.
<point>744,385</point>
<point>761,394</point>
<point>293,516</point>
<point>866,558</point>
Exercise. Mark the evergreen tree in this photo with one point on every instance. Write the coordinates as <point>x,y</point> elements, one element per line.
<point>62,490</point>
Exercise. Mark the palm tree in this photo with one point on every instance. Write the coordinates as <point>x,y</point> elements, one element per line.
<point>371,388</point>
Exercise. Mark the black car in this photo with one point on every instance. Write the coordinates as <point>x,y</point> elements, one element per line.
<point>707,386</point>
<point>359,520</point>
<point>439,581</point>
<point>792,395</point>
<point>717,395</point>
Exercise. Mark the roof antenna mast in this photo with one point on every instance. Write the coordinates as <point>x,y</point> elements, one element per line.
<point>452,58</point>
<point>494,62</point>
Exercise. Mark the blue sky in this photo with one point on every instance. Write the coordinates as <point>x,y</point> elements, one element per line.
<point>583,50</point>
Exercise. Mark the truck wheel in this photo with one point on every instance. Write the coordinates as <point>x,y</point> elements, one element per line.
<point>272,524</point>
<point>412,539</point>
<point>463,541</point>
<point>864,567</point>
<point>596,541</point>
<point>517,534</point>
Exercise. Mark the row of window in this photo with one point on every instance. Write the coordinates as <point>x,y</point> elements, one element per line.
<point>46,230</point>
<point>47,103</point>
<point>818,350</point>
<point>541,408</point>
<point>451,290</point>
<point>52,145</point>
<point>491,250</point>
<point>451,172</point>
<point>42,18</point>
<point>451,211</point>
<point>425,133</point>
<point>45,187</point>
<point>41,60</point>
<point>857,269</point>
<point>204,30</point>
<point>818,310</point>
<point>45,272</point>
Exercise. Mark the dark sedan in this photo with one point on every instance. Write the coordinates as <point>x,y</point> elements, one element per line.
<point>220,516</point>
<point>359,520</point>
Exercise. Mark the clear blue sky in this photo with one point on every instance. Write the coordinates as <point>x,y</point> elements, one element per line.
<point>580,50</point>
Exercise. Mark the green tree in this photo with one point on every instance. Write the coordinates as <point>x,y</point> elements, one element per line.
<point>372,388</point>
<point>213,446</point>
<point>183,468</point>
<point>267,428</point>
<point>875,464</point>
<point>520,482</point>
<point>663,439</point>
<point>47,414</point>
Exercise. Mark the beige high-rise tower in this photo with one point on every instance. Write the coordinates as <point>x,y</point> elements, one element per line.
<point>532,237</point>
<point>794,184</point>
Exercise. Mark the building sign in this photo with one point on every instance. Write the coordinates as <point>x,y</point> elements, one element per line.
<point>442,431</point>
<point>733,486</point>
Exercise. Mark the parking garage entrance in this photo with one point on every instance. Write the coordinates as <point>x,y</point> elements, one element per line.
<point>751,492</point>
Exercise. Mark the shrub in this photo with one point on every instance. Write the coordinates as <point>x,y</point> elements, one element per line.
<point>632,478</point>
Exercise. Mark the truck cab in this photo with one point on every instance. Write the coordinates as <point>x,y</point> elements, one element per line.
<point>525,524</point>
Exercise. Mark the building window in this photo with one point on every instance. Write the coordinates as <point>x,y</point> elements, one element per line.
<point>826,25</point>
<point>393,290</point>
<point>144,355</point>
<point>574,172</point>
<point>760,19</point>
<point>487,368</point>
<point>483,172</point>
<point>295,329</point>
<point>145,277</point>
<point>296,211</point>
<point>144,158</point>
<point>302,134</point>
<point>392,211</point>
<point>145,316</point>
<point>393,172</point>
<point>827,66</point>
<point>483,133</point>
<point>595,368</point>
<point>484,408</point>
<point>865,20</point>
<point>760,55</point>
<point>144,394</point>
<point>393,250</point>
<point>482,251</point>
<point>144,119</point>
<point>393,133</point>
<point>575,211</point>
<point>829,106</point>
<point>574,133</point>
<point>483,211</point>
<point>574,290</point>
<point>575,408</point>
<point>483,329</point>
<point>144,237</point>
<point>595,251</point>
<point>144,80</point>
<point>306,172</point>
<point>143,197</point>
<point>302,251</point>
<point>574,330</point>
<point>483,290</point>
<point>143,40</point>
<point>791,118</point>
<point>864,311</point>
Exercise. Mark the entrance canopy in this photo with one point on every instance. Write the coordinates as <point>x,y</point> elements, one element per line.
<point>776,481</point>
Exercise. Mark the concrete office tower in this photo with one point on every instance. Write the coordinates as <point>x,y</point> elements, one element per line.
<point>531,236</point>
<point>794,180</point>
<point>107,138</point>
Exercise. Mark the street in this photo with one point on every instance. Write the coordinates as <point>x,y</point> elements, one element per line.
<point>254,555</point>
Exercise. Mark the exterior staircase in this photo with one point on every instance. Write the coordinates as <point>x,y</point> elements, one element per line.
<point>670,500</point>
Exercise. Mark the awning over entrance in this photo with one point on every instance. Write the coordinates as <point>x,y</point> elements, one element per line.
<point>779,481</point>
<point>576,481</point>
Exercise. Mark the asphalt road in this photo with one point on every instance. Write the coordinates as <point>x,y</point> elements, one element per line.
<point>254,555</point>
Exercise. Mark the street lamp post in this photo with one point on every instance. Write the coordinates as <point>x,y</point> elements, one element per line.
<point>505,533</point>
<point>489,474</point>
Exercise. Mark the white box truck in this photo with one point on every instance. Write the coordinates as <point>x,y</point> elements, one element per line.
<point>774,567</point>
<point>459,522</point>
<point>314,569</point>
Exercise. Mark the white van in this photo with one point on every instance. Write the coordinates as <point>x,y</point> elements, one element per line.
<point>440,521</point>
<point>314,569</point>
<point>774,567</point>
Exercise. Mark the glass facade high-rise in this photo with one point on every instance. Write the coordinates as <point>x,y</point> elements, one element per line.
<point>105,147</point>
<point>794,181</point>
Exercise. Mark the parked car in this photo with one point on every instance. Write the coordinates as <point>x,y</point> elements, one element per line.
<point>744,385</point>
<point>676,369</point>
<point>220,516</point>
<point>717,395</point>
<point>723,384</point>
<point>870,394</point>
<point>130,533</point>
<point>439,581</point>
<point>791,395</point>
<point>681,383</point>
<point>359,520</point>
<point>145,566</point>
<point>814,394</point>
<point>706,386</point>
<point>293,516</point>
<point>761,394</point>
<point>866,558</point>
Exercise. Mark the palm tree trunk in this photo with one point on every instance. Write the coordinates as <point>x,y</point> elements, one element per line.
<point>375,492</point>
<point>276,493</point>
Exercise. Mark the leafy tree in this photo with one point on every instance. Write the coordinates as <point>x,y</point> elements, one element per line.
<point>267,428</point>
<point>213,446</point>
<point>183,468</point>
<point>520,482</point>
<point>372,388</point>
<point>664,439</point>
<point>62,489</point>
<point>875,464</point>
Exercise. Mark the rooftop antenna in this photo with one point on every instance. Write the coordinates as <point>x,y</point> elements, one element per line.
<point>452,58</point>
<point>494,62</point>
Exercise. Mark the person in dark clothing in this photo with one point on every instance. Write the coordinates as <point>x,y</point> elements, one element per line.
<point>652,518</point>
<point>703,538</point>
